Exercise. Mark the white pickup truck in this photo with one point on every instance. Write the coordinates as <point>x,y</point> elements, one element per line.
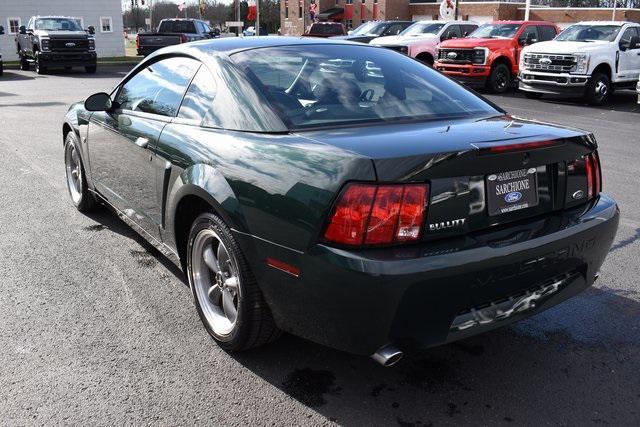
<point>419,41</point>
<point>588,59</point>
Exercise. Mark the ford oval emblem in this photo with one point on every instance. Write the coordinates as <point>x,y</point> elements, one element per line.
<point>70,45</point>
<point>452,55</point>
<point>513,197</point>
<point>578,195</point>
<point>545,61</point>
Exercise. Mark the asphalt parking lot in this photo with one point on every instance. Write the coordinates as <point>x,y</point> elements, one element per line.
<point>96,327</point>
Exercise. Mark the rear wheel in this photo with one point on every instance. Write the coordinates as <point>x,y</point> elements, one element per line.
<point>598,89</point>
<point>24,64</point>
<point>532,95</point>
<point>91,69</point>
<point>81,197</point>
<point>225,292</point>
<point>500,79</point>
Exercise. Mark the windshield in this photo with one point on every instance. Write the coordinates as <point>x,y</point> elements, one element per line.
<point>177,27</point>
<point>331,85</point>
<point>57,24</point>
<point>422,28</point>
<point>487,31</point>
<point>365,28</point>
<point>589,33</point>
<point>326,29</point>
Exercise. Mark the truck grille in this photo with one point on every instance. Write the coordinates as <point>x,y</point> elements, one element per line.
<point>550,63</point>
<point>65,45</point>
<point>456,56</point>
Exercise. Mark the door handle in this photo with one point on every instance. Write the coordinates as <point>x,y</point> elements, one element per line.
<point>142,142</point>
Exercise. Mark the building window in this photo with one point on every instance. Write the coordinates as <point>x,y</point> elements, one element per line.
<point>13,24</point>
<point>300,7</point>
<point>106,24</point>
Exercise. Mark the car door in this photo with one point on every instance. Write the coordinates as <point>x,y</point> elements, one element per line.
<point>528,33</point>
<point>629,58</point>
<point>24,39</point>
<point>122,142</point>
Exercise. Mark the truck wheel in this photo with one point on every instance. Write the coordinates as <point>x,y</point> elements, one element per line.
<point>598,89</point>
<point>426,59</point>
<point>91,70</point>
<point>1,68</point>
<point>24,64</point>
<point>500,79</point>
<point>39,68</point>
<point>532,95</point>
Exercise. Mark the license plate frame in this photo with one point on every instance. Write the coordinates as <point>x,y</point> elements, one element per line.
<point>511,191</point>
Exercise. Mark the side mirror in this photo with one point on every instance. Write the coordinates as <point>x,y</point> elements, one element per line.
<point>91,29</point>
<point>98,102</point>
<point>1,30</point>
<point>635,43</point>
<point>22,30</point>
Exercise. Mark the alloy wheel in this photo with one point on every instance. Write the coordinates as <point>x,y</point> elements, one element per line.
<point>74,173</point>
<point>216,281</point>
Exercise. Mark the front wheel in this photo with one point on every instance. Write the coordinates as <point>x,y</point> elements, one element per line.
<point>598,89</point>
<point>24,64</point>
<point>39,68</point>
<point>81,197</point>
<point>500,79</point>
<point>225,292</point>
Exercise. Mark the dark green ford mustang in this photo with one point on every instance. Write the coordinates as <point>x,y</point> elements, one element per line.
<point>341,192</point>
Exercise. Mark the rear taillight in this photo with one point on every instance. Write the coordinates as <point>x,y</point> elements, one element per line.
<point>183,38</point>
<point>369,214</point>
<point>138,41</point>
<point>587,167</point>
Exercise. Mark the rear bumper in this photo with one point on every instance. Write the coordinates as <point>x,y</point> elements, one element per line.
<point>553,83</point>
<point>75,59</point>
<point>422,296</point>
<point>472,75</point>
<point>148,50</point>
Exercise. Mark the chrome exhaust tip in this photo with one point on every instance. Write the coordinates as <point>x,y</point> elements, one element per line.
<point>387,355</point>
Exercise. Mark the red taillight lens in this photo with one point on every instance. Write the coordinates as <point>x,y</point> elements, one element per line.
<point>523,146</point>
<point>378,215</point>
<point>138,41</point>
<point>183,38</point>
<point>592,166</point>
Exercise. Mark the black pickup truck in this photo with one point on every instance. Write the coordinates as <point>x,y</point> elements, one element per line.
<point>56,42</point>
<point>174,31</point>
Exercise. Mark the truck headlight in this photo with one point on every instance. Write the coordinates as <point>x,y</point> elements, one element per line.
<point>582,63</point>
<point>521,64</point>
<point>92,44</point>
<point>479,55</point>
<point>45,45</point>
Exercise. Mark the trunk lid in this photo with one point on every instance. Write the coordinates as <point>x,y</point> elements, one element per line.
<point>481,172</point>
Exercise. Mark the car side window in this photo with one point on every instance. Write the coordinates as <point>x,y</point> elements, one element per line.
<point>546,33</point>
<point>628,34</point>
<point>468,29</point>
<point>531,32</point>
<point>158,88</point>
<point>198,101</point>
<point>452,32</point>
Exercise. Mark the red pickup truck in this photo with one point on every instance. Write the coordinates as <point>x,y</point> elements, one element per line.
<point>490,55</point>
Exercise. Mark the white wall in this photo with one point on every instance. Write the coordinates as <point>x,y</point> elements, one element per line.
<point>107,44</point>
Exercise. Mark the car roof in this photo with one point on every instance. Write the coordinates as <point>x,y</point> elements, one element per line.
<point>618,23</point>
<point>523,22</point>
<point>231,45</point>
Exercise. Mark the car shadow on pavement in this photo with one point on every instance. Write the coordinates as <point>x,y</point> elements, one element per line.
<point>576,363</point>
<point>107,219</point>
<point>9,76</point>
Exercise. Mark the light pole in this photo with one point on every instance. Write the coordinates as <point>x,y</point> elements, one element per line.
<point>615,8</point>
<point>258,17</point>
<point>527,10</point>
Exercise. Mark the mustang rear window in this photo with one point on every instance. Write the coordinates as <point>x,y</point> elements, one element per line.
<point>332,85</point>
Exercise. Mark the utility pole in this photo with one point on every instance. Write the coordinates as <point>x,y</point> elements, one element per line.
<point>151,15</point>
<point>238,29</point>
<point>257,17</point>
<point>527,10</point>
<point>615,9</point>
<point>455,11</point>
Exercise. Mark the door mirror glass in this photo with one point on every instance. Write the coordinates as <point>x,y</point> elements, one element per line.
<point>22,29</point>
<point>91,29</point>
<point>635,43</point>
<point>98,102</point>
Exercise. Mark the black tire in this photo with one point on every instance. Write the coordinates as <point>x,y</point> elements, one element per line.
<point>91,70</point>
<point>532,95</point>
<point>39,68</point>
<point>1,68</point>
<point>24,64</point>
<point>82,198</point>
<point>499,80</point>
<point>598,89</point>
<point>426,60</point>
<point>254,325</point>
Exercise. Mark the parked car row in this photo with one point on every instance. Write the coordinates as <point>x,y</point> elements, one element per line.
<point>588,59</point>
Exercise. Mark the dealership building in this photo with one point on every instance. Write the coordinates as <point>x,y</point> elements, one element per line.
<point>104,15</point>
<point>294,14</point>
